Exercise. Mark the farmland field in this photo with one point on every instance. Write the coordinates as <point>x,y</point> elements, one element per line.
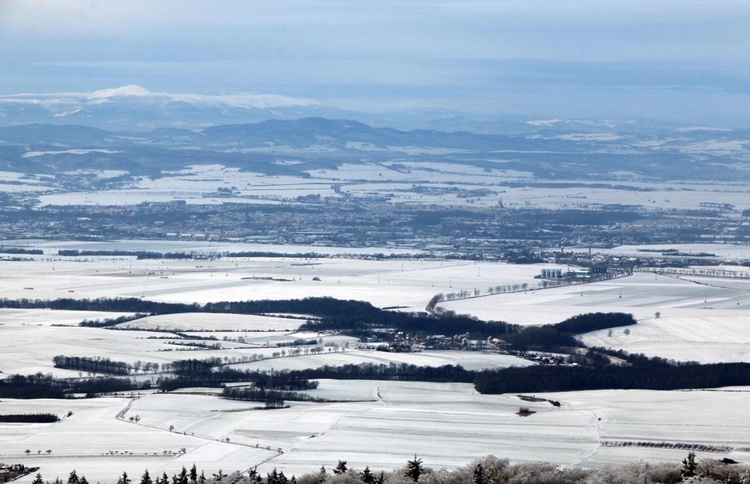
<point>375,423</point>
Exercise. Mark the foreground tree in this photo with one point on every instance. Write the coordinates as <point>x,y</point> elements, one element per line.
<point>341,468</point>
<point>73,478</point>
<point>414,468</point>
<point>480,476</point>
<point>145,478</point>
<point>688,465</point>
<point>254,476</point>
<point>366,476</point>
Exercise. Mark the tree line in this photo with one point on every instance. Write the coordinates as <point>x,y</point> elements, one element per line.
<point>350,316</point>
<point>484,470</point>
<point>354,317</point>
<point>29,418</point>
<point>611,377</point>
<point>96,364</point>
<point>552,337</point>
<point>271,398</point>
<point>646,374</point>
<point>45,386</point>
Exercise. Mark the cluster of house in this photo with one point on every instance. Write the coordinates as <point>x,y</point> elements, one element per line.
<point>9,472</point>
<point>405,343</point>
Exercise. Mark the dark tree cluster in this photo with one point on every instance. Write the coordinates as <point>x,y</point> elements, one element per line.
<point>92,387</point>
<point>124,305</point>
<point>585,323</point>
<point>566,378</point>
<point>643,361</point>
<point>29,418</point>
<point>193,367</point>
<point>272,398</point>
<point>108,322</point>
<point>282,380</point>
<point>559,336</point>
<point>544,338</point>
<point>20,250</point>
<point>92,365</point>
<point>211,373</point>
<point>31,386</point>
<point>45,386</point>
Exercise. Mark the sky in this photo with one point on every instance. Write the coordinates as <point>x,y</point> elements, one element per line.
<point>686,60</point>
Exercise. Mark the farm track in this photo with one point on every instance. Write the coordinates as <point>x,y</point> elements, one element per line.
<point>121,416</point>
<point>431,309</point>
<point>599,442</point>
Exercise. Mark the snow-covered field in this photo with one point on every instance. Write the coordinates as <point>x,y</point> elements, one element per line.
<point>377,423</point>
<point>447,425</point>
<point>409,284</point>
<point>642,294</point>
<point>198,185</point>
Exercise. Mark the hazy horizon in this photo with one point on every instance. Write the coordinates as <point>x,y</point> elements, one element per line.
<point>676,61</point>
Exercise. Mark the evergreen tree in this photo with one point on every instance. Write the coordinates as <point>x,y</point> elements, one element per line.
<point>367,476</point>
<point>193,475</point>
<point>480,476</point>
<point>341,468</point>
<point>124,479</point>
<point>146,479</point>
<point>272,477</point>
<point>183,477</point>
<point>73,478</point>
<point>38,479</point>
<point>84,480</point>
<point>254,476</point>
<point>688,465</point>
<point>414,468</point>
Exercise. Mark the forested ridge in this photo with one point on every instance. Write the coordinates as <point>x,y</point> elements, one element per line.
<point>351,316</point>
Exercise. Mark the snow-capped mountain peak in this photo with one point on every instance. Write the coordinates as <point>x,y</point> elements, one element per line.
<point>129,90</point>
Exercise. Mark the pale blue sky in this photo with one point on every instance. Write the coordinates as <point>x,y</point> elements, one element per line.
<point>665,59</point>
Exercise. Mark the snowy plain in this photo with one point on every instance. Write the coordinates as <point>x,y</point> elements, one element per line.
<point>376,423</point>
<point>198,185</point>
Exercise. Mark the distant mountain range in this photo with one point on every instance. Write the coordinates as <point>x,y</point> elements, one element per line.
<point>135,108</point>
<point>141,132</point>
<point>313,143</point>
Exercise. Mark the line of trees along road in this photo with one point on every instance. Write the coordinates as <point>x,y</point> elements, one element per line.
<point>91,365</point>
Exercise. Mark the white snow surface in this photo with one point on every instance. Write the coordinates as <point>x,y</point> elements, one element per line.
<point>375,423</point>
<point>447,425</point>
